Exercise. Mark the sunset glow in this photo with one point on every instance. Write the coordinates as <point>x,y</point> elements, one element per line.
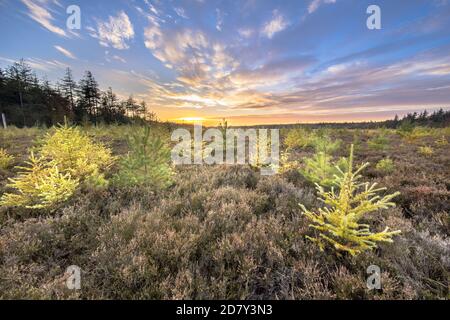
<point>190,119</point>
<point>252,62</point>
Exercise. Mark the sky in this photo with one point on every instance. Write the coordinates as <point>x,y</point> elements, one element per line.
<point>249,61</point>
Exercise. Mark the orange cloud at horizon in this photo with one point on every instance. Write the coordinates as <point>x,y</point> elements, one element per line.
<point>293,118</point>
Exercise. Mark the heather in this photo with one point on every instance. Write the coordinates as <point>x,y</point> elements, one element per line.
<point>226,231</point>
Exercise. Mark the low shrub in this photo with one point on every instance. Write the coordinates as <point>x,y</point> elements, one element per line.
<point>298,138</point>
<point>321,169</point>
<point>339,222</point>
<point>356,139</point>
<point>6,159</point>
<point>379,142</point>
<point>147,162</point>
<point>325,144</point>
<point>426,151</point>
<point>415,133</point>
<point>40,185</point>
<point>67,158</point>
<point>75,153</point>
<point>385,165</point>
<point>286,163</point>
<point>442,141</point>
<point>318,139</point>
<point>227,232</point>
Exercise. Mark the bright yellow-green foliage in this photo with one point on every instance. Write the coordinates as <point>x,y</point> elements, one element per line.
<point>318,139</point>
<point>385,165</point>
<point>298,138</point>
<point>285,163</point>
<point>442,141</point>
<point>283,166</point>
<point>320,169</point>
<point>147,163</point>
<point>5,159</point>
<point>426,151</point>
<point>67,158</point>
<point>40,185</point>
<point>444,131</point>
<point>338,223</point>
<point>357,138</point>
<point>75,153</point>
<point>415,133</point>
<point>14,132</point>
<point>380,141</point>
<point>325,144</point>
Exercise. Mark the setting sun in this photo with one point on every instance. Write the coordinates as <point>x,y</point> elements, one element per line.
<point>190,119</point>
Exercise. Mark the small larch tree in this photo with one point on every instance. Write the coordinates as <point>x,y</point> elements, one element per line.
<point>339,222</point>
<point>66,160</point>
<point>147,162</point>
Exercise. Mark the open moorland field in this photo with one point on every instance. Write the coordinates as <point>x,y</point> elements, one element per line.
<point>218,231</point>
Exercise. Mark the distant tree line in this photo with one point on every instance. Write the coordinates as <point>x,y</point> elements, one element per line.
<point>438,119</point>
<point>28,101</point>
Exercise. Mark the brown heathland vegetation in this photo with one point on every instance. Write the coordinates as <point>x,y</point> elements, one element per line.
<point>226,232</point>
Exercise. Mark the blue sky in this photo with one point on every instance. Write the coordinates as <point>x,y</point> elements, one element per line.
<point>251,61</point>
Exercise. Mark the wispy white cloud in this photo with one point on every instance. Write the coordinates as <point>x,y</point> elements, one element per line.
<point>277,24</point>
<point>315,4</point>
<point>219,22</point>
<point>8,60</point>
<point>115,32</point>
<point>246,32</point>
<point>119,58</point>
<point>41,15</point>
<point>273,72</point>
<point>151,7</point>
<point>109,57</point>
<point>180,12</point>
<point>39,64</point>
<point>65,52</point>
<point>46,65</point>
<point>233,71</point>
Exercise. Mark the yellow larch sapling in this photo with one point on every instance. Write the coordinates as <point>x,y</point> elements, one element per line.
<point>67,159</point>
<point>39,185</point>
<point>5,159</point>
<point>338,223</point>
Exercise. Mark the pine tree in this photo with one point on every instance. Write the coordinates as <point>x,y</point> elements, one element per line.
<point>27,100</point>
<point>5,159</point>
<point>322,169</point>
<point>2,88</point>
<point>319,169</point>
<point>131,106</point>
<point>2,78</point>
<point>223,127</point>
<point>20,75</point>
<point>380,141</point>
<point>56,105</point>
<point>109,106</point>
<point>67,159</point>
<point>324,143</point>
<point>89,96</point>
<point>142,109</point>
<point>147,163</point>
<point>68,88</point>
<point>39,185</point>
<point>338,223</point>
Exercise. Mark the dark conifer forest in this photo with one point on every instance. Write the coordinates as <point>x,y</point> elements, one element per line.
<point>27,100</point>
